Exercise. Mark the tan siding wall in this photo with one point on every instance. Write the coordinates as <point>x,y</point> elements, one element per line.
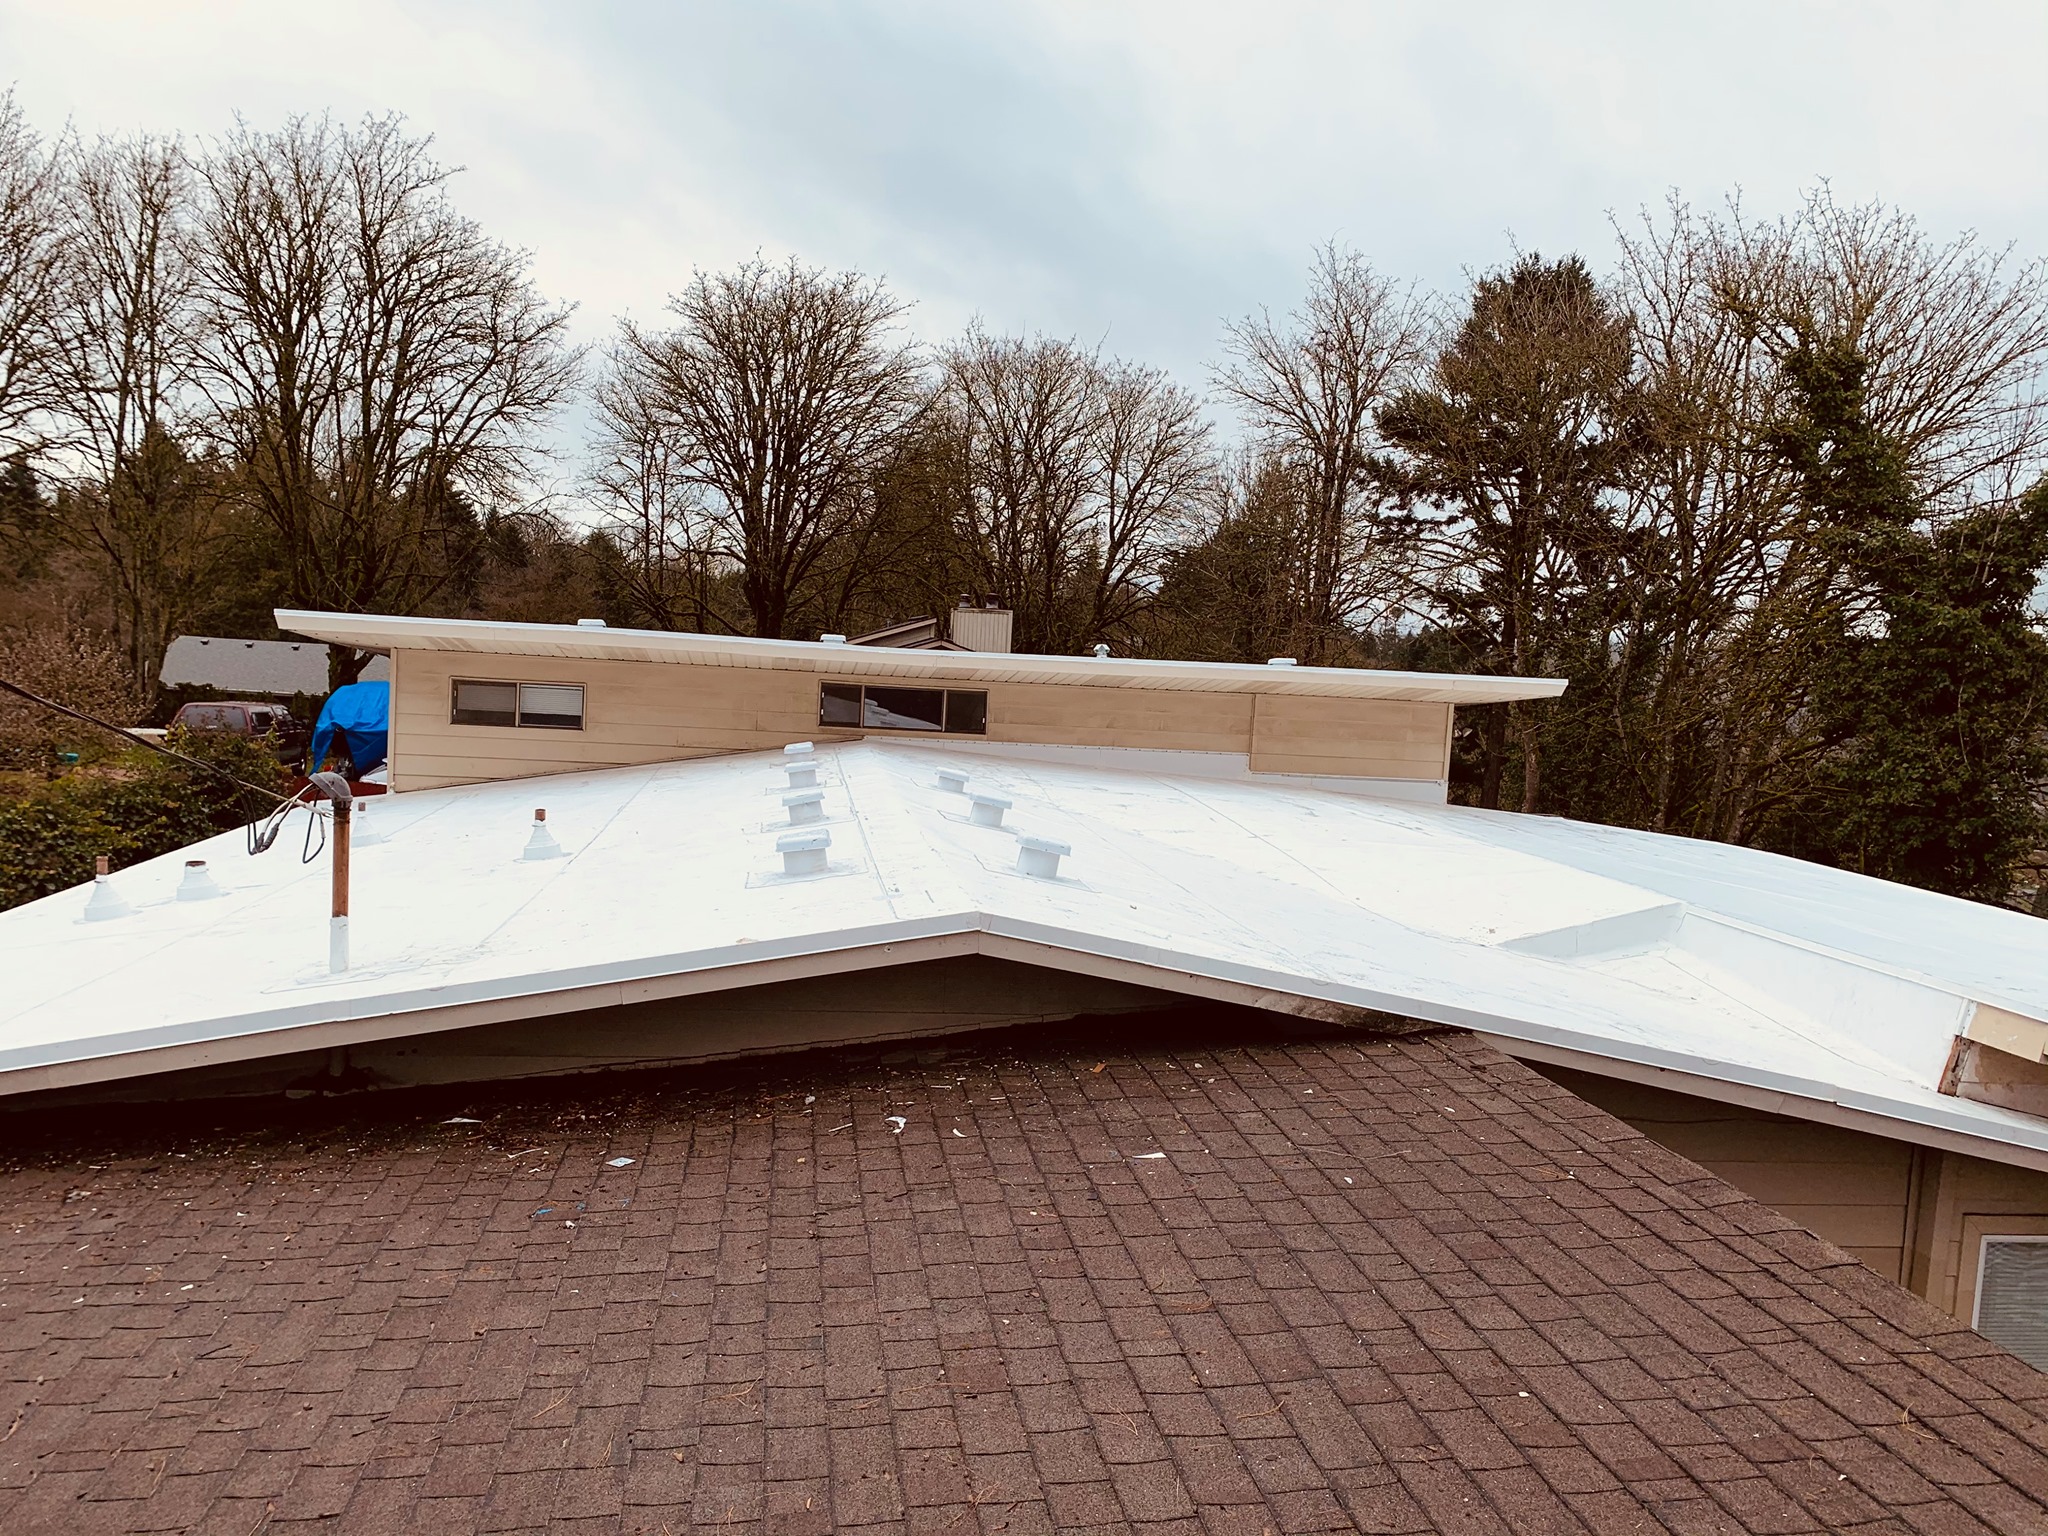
<point>1376,738</point>
<point>1852,1189</point>
<point>1968,1199</point>
<point>1914,1214</point>
<point>642,712</point>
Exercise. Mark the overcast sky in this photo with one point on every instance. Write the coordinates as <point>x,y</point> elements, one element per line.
<point>1125,173</point>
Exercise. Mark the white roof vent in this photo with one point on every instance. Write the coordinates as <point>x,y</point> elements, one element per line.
<point>361,829</point>
<point>1040,857</point>
<point>803,853</point>
<point>1101,651</point>
<point>832,639</point>
<point>802,771</point>
<point>591,624</point>
<point>805,806</point>
<point>1281,661</point>
<point>541,844</point>
<point>197,885</point>
<point>798,749</point>
<point>986,810</point>
<point>105,902</point>
<point>953,781</point>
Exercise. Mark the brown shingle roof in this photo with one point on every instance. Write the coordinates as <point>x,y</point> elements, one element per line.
<point>1394,1286</point>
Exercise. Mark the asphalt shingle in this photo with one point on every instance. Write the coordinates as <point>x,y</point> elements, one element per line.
<point>1326,1283</point>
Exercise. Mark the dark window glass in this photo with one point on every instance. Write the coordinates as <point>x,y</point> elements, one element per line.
<point>966,713</point>
<point>905,709</point>
<point>556,706</point>
<point>839,704</point>
<point>485,703</point>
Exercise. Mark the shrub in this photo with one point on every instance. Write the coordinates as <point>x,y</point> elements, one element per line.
<point>145,806</point>
<point>78,667</point>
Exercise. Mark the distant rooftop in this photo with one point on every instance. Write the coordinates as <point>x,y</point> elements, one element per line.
<point>381,632</point>
<point>1236,1284</point>
<point>273,668</point>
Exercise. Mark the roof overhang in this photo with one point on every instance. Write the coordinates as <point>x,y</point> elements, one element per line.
<point>379,632</point>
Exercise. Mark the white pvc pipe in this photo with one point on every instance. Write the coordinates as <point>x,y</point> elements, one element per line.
<point>337,944</point>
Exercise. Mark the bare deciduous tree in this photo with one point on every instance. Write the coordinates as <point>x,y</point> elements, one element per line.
<point>30,245</point>
<point>378,367</point>
<point>1309,389</point>
<point>150,518</point>
<point>766,409</point>
<point>653,509</point>
<point>1079,474</point>
<point>1159,472</point>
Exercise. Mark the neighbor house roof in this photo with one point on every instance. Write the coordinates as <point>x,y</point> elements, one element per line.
<point>376,632</point>
<point>274,667</point>
<point>1223,1286</point>
<point>1724,971</point>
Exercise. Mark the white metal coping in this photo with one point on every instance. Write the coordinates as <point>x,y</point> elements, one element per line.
<point>383,632</point>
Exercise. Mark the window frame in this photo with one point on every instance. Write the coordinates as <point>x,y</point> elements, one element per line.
<point>946,708</point>
<point>518,722</point>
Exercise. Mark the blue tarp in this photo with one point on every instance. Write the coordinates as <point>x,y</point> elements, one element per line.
<point>360,714</point>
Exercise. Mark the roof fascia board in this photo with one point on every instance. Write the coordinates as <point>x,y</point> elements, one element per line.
<point>380,632</point>
<point>1603,1063</point>
<point>174,1048</point>
<point>2000,1137</point>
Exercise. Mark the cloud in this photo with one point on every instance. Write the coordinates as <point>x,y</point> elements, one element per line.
<point>1136,172</point>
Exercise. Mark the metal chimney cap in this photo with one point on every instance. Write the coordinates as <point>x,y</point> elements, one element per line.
<point>800,842</point>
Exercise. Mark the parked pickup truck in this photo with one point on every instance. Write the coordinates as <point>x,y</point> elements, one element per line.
<point>247,717</point>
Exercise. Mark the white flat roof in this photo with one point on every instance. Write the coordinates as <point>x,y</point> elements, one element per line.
<point>1718,970</point>
<point>378,632</point>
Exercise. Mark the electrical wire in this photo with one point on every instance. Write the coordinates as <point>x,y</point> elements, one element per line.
<point>260,836</point>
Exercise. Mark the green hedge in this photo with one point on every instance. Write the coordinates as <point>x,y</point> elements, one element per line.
<point>142,806</point>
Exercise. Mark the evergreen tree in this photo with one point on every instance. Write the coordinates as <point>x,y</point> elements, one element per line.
<point>1933,697</point>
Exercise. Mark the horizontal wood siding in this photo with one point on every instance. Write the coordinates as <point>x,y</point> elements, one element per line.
<point>639,712</point>
<point>1372,738</point>
<point>1853,1189</point>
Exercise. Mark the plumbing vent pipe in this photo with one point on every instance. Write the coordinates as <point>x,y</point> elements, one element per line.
<point>1280,661</point>
<point>1040,856</point>
<point>105,902</point>
<point>805,806</point>
<point>953,781</point>
<point>986,810</point>
<point>803,853</point>
<point>541,844</point>
<point>198,884</point>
